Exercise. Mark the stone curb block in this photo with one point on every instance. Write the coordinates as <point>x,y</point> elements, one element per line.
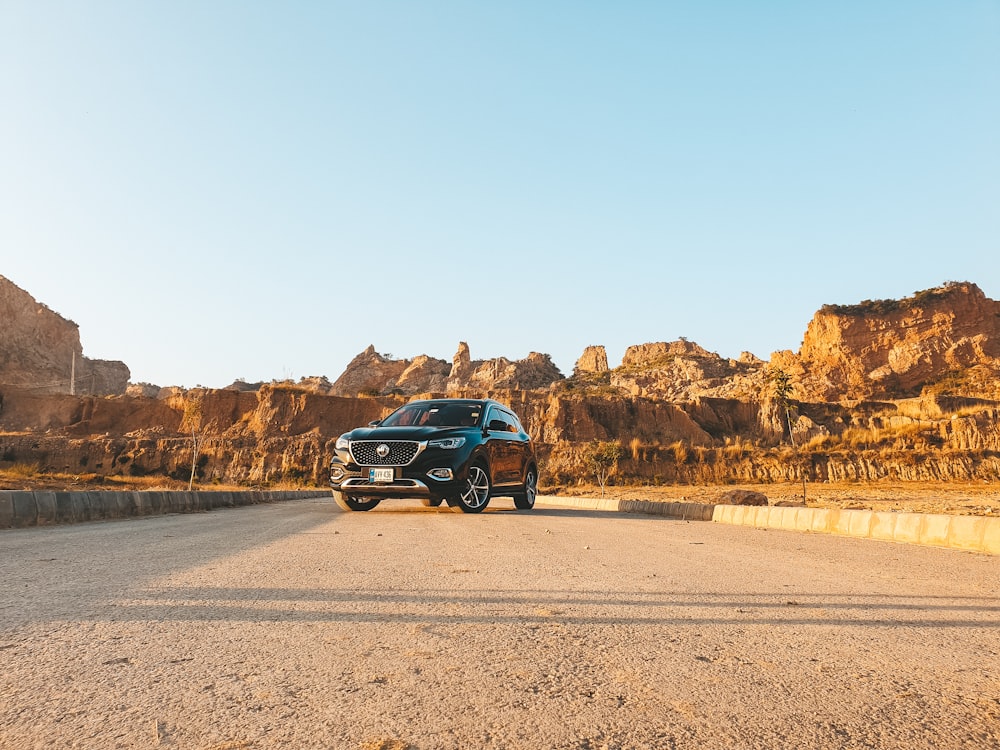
<point>46,504</point>
<point>683,511</point>
<point>973,533</point>
<point>25,508</point>
<point>64,507</point>
<point>6,509</point>
<point>20,508</point>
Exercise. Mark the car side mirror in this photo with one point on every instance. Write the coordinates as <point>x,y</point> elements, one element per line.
<point>376,423</point>
<point>497,425</point>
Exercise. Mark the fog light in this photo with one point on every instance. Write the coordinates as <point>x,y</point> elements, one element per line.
<point>336,474</point>
<point>442,475</point>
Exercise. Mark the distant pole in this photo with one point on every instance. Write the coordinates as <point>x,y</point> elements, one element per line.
<point>72,376</point>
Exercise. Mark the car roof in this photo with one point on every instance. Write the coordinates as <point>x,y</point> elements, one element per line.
<point>479,401</point>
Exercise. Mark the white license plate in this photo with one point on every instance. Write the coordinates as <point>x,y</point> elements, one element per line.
<point>380,475</point>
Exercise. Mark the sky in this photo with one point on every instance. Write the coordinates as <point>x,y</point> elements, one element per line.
<point>217,190</point>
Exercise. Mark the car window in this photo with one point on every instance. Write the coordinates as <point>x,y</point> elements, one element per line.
<point>434,414</point>
<point>500,415</point>
<point>403,417</point>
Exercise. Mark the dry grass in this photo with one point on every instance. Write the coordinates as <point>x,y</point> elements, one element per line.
<point>680,451</point>
<point>23,471</point>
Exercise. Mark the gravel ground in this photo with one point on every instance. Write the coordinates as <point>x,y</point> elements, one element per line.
<point>295,625</point>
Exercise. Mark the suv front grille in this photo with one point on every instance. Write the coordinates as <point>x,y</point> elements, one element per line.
<point>401,452</point>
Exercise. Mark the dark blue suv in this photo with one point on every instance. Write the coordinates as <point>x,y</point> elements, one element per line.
<point>463,451</point>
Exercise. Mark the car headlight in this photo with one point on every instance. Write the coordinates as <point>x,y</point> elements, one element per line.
<point>343,443</point>
<point>449,444</point>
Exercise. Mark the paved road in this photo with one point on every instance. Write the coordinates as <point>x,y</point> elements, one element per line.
<point>295,625</point>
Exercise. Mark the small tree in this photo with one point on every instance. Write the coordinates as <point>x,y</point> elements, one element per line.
<point>192,419</point>
<point>781,386</point>
<point>602,457</point>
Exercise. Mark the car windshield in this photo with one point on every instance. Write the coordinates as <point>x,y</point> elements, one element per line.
<point>434,415</point>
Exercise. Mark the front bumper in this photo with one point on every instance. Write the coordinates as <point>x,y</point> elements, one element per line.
<point>414,480</point>
<point>361,487</point>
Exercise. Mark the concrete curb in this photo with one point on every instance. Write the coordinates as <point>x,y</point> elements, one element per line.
<point>972,533</point>
<point>684,511</point>
<point>19,509</point>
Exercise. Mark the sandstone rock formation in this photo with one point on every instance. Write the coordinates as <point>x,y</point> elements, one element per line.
<point>888,348</point>
<point>374,374</point>
<point>536,371</point>
<point>900,390</point>
<point>40,349</point>
<point>369,373</point>
<point>423,375</point>
<point>593,360</point>
<point>142,390</point>
<point>684,371</point>
<point>461,367</point>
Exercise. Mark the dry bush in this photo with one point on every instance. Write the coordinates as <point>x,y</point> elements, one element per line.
<point>859,437</point>
<point>820,443</point>
<point>680,451</point>
<point>635,447</point>
<point>24,471</point>
<point>737,448</point>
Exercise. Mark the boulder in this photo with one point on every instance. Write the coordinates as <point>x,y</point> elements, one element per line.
<point>743,497</point>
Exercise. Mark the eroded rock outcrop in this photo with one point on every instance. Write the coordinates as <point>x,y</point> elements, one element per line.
<point>594,360</point>
<point>371,373</point>
<point>892,348</point>
<point>684,371</point>
<point>40,349</point>
<point>536,371</point>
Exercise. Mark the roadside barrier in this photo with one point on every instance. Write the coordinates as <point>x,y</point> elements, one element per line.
<point>20,509</point>
<point>973,533</point>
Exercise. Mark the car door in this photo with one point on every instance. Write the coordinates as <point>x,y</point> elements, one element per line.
<point>501,446</point>
<point>521,450</point>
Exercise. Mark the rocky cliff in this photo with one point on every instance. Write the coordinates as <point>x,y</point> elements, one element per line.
<point>285,433</point>
<point>892,348</point>
<point>905,389</point>
<point>40,349</point>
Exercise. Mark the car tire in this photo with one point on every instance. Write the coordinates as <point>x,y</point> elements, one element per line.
<point>348,502</point>
<point>476,495</point>
<point>526,500</point>
<point>430,502</point>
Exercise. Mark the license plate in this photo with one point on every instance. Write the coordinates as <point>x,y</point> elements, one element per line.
<point>380,476</point>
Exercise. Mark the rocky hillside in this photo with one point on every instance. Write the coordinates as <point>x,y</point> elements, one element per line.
<point>285,433</point>
<point>40,349</point>
<point>903,389</point>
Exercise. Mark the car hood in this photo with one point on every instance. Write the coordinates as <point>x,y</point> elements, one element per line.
<point>406,433</point>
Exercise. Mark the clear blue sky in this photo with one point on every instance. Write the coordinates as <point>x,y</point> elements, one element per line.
<point>215,190</point>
